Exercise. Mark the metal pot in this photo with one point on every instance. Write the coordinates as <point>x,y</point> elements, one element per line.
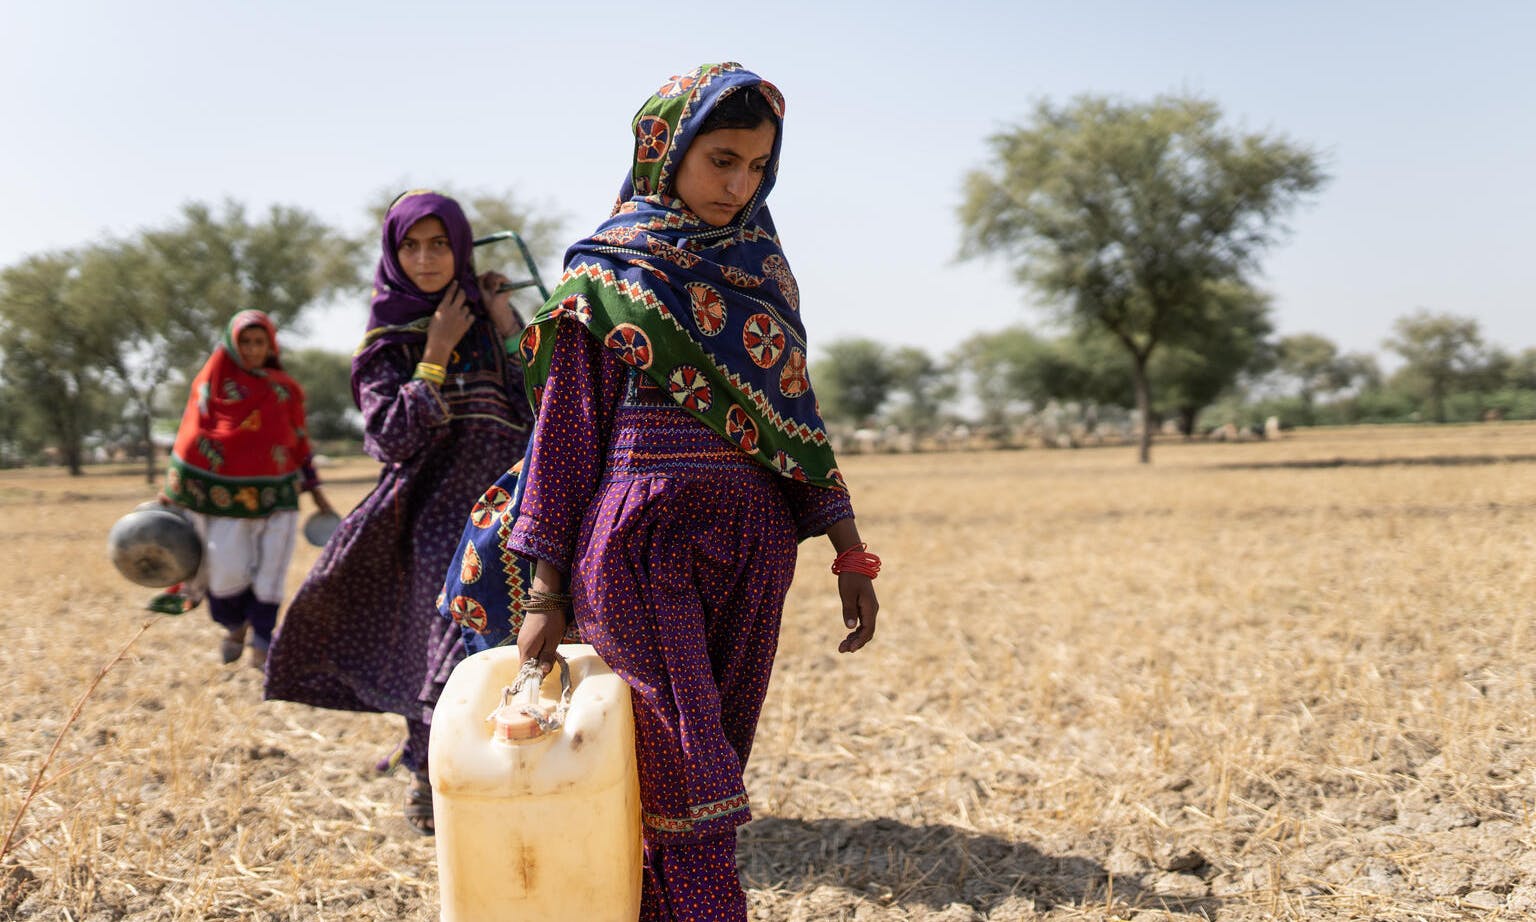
<point>155,546</point>
<point>319,528</point>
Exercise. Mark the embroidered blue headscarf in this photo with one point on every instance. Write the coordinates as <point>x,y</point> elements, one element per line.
<point>712,314</point>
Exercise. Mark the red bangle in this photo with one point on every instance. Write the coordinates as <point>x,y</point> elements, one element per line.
<point>857,559</point>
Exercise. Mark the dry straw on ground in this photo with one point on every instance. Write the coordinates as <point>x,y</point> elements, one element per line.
<point>1245,683</point>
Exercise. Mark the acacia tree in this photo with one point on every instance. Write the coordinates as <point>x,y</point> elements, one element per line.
<point>201,270</point>
<point>1226,340</point>
<point>1090,367</point>
<point>327,381</point>
<point>924,386</point>
<point>18,436</point>
<point>1319,369</point>
<point>853,380</point>
<point>1521,372</point>
<point>51,347</point>
<point>1004,369</point>
<point>1122,215</point>
<point>1013,367</point>
<point>1312,361</point>
<point>1440,352</point>
<point>130,346</point>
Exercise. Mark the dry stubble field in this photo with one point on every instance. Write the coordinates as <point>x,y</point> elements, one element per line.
<point>1245,683</point>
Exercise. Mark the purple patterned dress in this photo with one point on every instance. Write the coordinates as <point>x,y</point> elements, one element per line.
<point>363,633</point>
<point>680,550</point>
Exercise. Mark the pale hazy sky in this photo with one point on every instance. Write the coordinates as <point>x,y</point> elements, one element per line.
<point>115,113</point>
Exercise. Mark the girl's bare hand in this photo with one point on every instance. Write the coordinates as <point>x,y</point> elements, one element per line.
<point>539,636</point>
<point>321,503</point>
<point>450,322</point>
<point>859,609</point>
<point>498,304</point>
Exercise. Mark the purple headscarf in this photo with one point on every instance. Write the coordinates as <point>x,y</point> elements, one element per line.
<point>400,311</point>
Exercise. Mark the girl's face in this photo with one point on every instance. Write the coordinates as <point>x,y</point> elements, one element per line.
<point>722,170</point>
<point>254,345</point>
<point>426,255</point>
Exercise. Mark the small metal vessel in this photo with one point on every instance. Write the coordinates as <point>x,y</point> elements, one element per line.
<point>155,546</point>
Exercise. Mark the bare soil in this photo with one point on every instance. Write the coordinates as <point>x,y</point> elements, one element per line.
<point>1277,680</point>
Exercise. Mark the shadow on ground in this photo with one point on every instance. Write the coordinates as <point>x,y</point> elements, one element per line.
<point>1419,461</point>
<point>895,864</point>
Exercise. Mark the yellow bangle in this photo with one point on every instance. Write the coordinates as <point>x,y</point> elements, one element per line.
<point>428,371</point>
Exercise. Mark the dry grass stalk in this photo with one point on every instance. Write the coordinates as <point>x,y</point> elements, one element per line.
<point>37,777</point>
<point>1285,680</point>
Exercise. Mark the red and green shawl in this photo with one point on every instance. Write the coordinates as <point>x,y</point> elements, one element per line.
<point>242,446</point>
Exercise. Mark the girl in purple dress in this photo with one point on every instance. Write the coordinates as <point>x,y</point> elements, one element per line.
<point>443,408</point>
<point>677,459</point>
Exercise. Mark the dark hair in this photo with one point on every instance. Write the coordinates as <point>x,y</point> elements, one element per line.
<point>744,108</point>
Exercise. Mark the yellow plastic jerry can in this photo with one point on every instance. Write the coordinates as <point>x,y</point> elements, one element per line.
<point>534,792</point>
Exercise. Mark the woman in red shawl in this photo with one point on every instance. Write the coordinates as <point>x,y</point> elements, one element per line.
<point>240,461</point>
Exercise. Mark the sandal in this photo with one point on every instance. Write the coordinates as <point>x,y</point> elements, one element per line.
<point>259,648</point>
<point>418,806</point>
<point>232,645</point>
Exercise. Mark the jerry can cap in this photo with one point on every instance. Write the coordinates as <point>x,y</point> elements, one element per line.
<point>520,717</point>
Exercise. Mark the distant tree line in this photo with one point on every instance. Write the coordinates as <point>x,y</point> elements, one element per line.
<point>1445,372</point>
<point>98,342</point>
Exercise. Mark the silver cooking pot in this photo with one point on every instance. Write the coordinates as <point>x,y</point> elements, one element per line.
<point>155,546</point>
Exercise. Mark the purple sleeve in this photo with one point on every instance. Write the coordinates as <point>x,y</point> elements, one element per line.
<point>815,509</point>
<point>401,415</point>
<point>570,442</point>
<point>310,478</point>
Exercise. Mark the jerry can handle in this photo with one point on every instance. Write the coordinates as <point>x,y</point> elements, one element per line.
<point>528,680</point>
